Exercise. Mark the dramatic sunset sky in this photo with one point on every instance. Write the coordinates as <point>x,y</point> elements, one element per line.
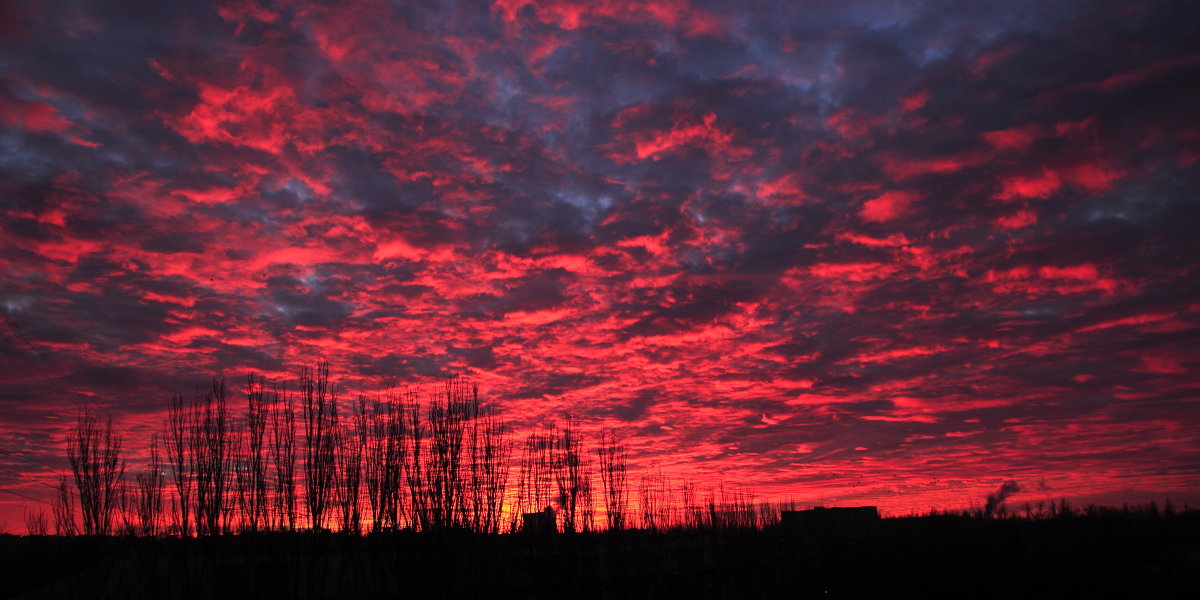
<point>853,252</point>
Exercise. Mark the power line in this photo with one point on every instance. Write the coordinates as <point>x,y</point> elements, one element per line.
<point>25,476</point>
<point>27,497</point>
<point>64,382</point>
<point>27,480</point>
<point>26,456</point>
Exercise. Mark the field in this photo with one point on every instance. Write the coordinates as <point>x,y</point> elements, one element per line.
<point>1103,554</point>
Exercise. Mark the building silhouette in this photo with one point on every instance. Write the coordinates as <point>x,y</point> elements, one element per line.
<point>832,521</point>
<point>542,523</point>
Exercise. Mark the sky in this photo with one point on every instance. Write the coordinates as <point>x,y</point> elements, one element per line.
<point>855,252</point>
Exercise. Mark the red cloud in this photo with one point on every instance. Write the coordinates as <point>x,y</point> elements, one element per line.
<point>1050,279</point>
<point>900,167</point>
<point>888,206</point>
<point>703,132</point>
<point>711,232</point>
<point>32,115</point>
<point>571,15</point>
<point>915,100</point>
<point>1040,185</point>
<point>1014,139</point>
<point>1017,220</point>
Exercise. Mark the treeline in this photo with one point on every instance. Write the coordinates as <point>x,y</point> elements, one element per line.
<point>314,460</point>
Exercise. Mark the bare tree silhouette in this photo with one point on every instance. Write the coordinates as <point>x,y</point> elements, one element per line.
<point>586,502</point>
<point>414,467</point>
<point>384,448</point>
<point>64,509</point>
<point>36,522</point>
<point>449,410</point>
<point>350,435</point>
<point>654,498</point>
<point>127,510</point>
<point>615,488</point>
<point>489,458</point>
<point>210,450</point>
<point>179,455</point>
<point>149,493</point>
<point>436,466</point>
<point>568,474</point>
<point>535,476</point>
<point>318,401</point>
<point>283,458</point>
<point>94,451</point>
<point>252,461</point>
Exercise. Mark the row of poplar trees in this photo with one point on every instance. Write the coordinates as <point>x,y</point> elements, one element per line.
<point>354,466</point>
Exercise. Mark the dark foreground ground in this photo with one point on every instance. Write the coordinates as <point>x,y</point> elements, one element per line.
<point>1123,556</point>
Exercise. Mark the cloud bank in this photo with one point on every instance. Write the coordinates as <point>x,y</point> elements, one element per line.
<point>852,252</point>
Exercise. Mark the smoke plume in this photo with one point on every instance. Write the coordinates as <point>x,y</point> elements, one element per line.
<point>996,500</point>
